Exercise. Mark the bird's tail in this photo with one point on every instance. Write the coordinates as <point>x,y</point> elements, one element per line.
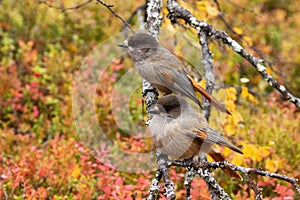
<point>210,98</point>
<point>219,157</point>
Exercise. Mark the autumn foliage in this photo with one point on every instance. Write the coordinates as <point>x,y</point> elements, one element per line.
<point>41,49</point>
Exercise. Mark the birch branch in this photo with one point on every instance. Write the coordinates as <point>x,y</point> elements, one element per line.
<point>178,12</point>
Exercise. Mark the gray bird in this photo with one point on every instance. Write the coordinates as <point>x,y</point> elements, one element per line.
<point>181,132</point>
<point>163,69</point>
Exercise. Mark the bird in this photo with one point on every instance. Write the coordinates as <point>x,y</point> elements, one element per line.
<point>163,69</point>
<point>181,132</point>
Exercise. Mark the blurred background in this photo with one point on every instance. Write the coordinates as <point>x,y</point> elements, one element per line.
<point>42,49</point>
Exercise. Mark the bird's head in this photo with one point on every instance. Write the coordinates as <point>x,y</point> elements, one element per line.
<point>140,41</point>
<point>170,105</point>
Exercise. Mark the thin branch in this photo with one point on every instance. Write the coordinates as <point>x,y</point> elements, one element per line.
<point>241,36</point>
<point>109,6</point>
<point>162,161</point>
<point>178,12</point>
<point>62,9</point>
<point>257,190</point>
<point>153,16</point>
<point>203,172</point>
<point>162,172</point>
<point>257,171</point>
<point>210,82</point>
<point>244,170</point>
<point>242,7</point>
<point>208,71</point>
<point>154,188</point>
<point>153,22</point>
<point>217,191</point>
<point>188,178</point>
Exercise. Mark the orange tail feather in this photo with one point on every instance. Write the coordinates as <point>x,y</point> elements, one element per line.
<point>210,98</point>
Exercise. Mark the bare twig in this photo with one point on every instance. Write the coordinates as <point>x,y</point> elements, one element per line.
<point>244,170</point>
<point>208,71</point>
<point>257,190</point>
<point>162,161</point>
<point>188,178</point>
<point>162,172</point>
<point>109,6</point>
<point>210,82</point>
<point>241,36</point>
<point>178,12</point>
<point>217,192</point>
<point>67,8</point>
<point>153,23</point>
<point>154,188</point>
<point>242,7</point>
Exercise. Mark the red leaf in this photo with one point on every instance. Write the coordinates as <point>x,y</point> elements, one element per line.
<point>35,111</point>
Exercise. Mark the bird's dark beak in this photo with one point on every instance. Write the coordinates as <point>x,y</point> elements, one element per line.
<point>154,110</point>
<point>124,44</point>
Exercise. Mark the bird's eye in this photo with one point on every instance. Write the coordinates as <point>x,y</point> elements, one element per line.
<point>168,108</point>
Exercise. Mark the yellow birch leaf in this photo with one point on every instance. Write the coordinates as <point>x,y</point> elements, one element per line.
<point>212,11</point>
<point>227,152</point>
<point>252,194</point>
<point>230,105</point>
<point>231,93</point>
<point>265,151</point>
<point>76,171</point>
<point>230,129</point>
<point>202,83</point>
<point>248,150</point>
<point>220,94</point>
<point>271,165</point>
<point>269,70</point>
<point>238,160</point>
<point>238,30</point>
<point>274,163</point>
<point>244,92</point>
<point>248,40</point>
<point>237,118</point>
<point>252,99</point>
<point>209,158</point>
<point>252,151</point>
<point>203,4</point>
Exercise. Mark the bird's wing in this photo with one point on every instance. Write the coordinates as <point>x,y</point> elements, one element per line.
<point>169,65</point>
<point>176,80</point>
<point>211,136</point>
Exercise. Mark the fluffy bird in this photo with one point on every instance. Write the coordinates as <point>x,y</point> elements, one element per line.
<point>181,132</point>
<point>163,69</point>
